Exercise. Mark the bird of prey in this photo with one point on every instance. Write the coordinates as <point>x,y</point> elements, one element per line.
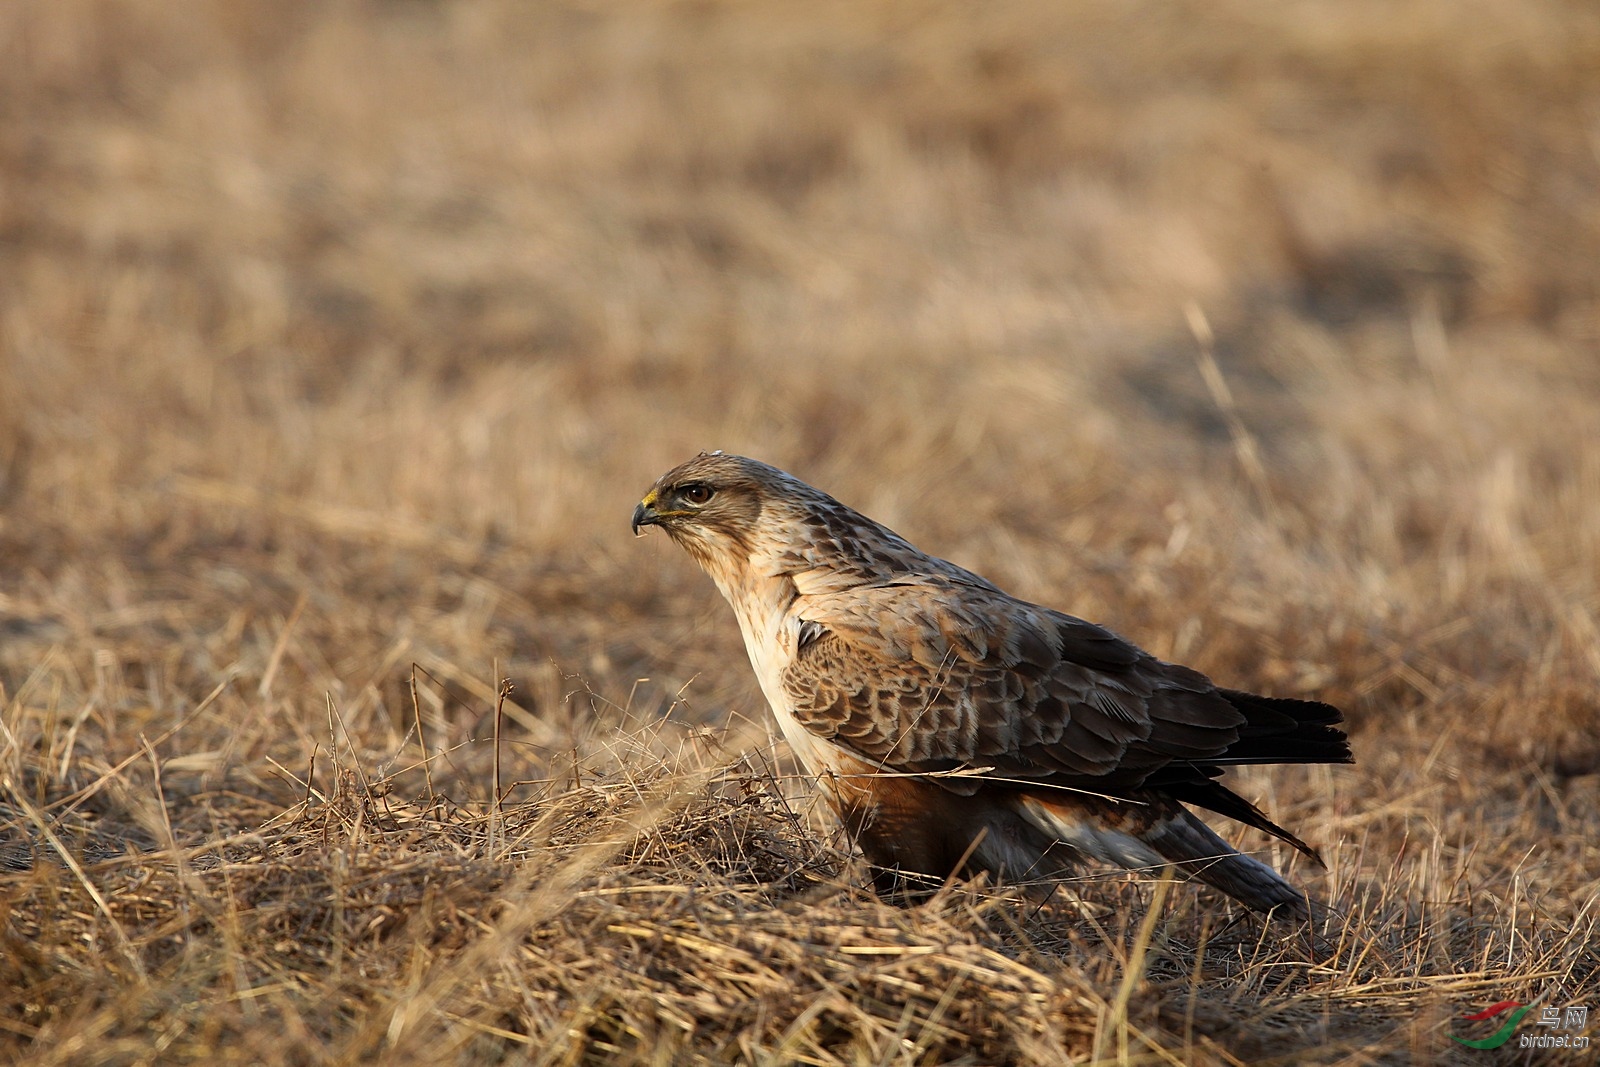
<point>955,727</point>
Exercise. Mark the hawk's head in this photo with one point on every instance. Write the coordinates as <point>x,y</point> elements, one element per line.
<point>743,520</point>
<point>713,504</point>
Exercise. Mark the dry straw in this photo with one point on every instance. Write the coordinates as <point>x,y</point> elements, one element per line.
<point>337,342</point>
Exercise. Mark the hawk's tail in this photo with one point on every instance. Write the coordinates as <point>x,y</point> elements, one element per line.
<point>1284,730</point>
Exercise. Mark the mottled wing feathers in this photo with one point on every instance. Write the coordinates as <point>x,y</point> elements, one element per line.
<point>930,674</point>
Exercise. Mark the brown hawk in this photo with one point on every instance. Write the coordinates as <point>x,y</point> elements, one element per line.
<point>955,726</point>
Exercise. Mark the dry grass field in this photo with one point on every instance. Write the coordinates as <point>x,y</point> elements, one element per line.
<point>339,339</point>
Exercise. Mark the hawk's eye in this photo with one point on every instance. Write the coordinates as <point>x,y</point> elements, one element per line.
<point>697,493</point>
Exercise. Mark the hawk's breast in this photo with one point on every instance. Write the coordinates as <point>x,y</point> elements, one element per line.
<point>771,638</point>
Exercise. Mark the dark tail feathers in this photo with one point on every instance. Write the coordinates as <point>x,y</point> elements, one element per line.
<point>1282,730</point>
<point>1214,796</point>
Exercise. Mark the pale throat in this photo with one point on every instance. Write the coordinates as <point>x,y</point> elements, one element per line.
<point>757,586</point>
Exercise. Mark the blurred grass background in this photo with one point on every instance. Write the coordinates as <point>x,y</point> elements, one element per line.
<point>337,337</point>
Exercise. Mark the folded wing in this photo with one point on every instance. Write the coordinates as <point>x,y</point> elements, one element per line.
<point>927,674</point>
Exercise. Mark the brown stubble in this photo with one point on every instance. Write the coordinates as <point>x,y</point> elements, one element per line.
<point>391,310</point>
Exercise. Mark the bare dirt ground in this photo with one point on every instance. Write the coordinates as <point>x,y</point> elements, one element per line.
<point>338,340</point>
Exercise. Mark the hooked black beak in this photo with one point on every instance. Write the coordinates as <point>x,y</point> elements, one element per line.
<point>644,515</point>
